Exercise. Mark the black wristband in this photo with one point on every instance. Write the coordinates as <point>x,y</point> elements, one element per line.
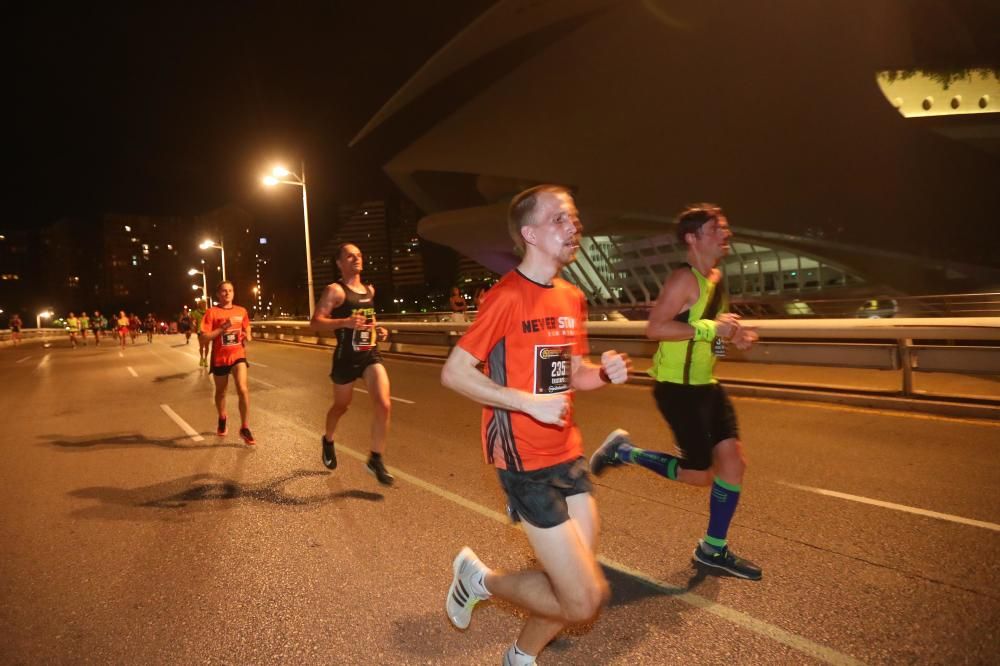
<point>603,374</point>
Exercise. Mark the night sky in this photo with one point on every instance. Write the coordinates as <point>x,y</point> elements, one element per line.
<point>177,108</point>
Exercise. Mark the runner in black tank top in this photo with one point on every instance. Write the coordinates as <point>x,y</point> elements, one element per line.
<point>356,348</point>
<point>347,308</point>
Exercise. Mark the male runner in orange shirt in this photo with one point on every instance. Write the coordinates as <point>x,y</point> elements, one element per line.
<point>227,326</point>
<point>531,335</point>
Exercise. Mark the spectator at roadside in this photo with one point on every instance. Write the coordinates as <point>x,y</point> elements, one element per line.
<point>458,305</point>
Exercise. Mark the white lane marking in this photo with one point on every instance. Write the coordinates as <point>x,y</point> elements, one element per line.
<point>897,507</point>
<point>794,641</point>
<point>258,364</point>
<point>195,437</point>
<point>21,360</point>
<point>261,381</point>
<point>44,362</point>
<point>133,372</point>
<point>391,397</point>
<point>121,354</point>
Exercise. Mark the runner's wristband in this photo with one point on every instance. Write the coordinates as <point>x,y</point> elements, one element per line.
<point>704,329</point>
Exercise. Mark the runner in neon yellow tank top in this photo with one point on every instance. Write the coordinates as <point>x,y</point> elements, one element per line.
<point>691,322</point>
<point>196,316</point>
<point>691,361</point>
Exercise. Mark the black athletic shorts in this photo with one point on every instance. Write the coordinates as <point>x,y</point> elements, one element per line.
<point>700,416</point>
<point>345,370</point>
<point>223,370</point>
<point>539,497</point>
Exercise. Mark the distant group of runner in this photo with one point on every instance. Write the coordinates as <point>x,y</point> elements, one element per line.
<point>125,327</point>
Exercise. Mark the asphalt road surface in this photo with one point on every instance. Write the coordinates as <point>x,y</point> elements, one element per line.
<point>125,539</point>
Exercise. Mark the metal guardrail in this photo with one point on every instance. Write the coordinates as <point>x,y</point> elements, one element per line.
<point>805,306</point>
<point>32,333</point>
<point>812,306</point>
<point>964,345</point>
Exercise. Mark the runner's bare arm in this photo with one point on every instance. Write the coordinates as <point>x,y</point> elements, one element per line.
<point>217,331</point>
<point>333,297</point>
<point>745,338</point>
<point>461,374</point>
<point>614,369</point>
<point>679,293</point>
<point>381,332</point>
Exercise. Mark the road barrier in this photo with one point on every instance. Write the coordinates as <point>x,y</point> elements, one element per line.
<point>955,349</point>
<point>32,334</point>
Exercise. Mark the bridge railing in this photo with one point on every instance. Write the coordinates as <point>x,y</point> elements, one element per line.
<point>32,333</point>
<point>963,352</point>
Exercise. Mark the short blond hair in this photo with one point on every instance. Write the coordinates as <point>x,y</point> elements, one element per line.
<point>521,212</point>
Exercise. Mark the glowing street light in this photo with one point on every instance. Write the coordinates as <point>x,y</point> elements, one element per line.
<point>280,174</point>
<point>42,315</point>
<point>206,244</point>
<point>204,281</point>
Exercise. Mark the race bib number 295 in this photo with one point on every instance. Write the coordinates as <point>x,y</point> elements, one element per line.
<point>553,368</point>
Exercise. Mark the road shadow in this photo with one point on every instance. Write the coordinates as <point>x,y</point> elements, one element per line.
<point>627,589</point>
<point>176,375</point>
<point>205,492</point>
<point>115,440</point>
<point>430,636</point>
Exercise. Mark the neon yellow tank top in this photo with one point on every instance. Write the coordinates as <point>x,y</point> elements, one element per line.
<point>688,361</point>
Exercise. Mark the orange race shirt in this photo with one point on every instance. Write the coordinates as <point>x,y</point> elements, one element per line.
<point>527,334</point>
<point>228,347</point>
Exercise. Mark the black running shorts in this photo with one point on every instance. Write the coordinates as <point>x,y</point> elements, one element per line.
<point>539,497</point>
<point>345,370</point>
<point>223,370</point>
<point>700,416</point>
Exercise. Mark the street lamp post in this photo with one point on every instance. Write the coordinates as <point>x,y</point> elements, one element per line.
<point>205,244</point>
<point>280,174</point>
<point>204,282</point>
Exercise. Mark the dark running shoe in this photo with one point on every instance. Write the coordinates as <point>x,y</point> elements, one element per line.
<point>378,470</point>
<point>247,436</point>
<point>606,454</point>
<point>329,455</point>
<point>725,560</point>
<point>221,430</point>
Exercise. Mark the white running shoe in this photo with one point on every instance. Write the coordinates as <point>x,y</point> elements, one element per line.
<point>461,599</point>
<point>514,657</point>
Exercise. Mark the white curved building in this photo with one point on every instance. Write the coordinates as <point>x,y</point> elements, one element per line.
<point>775,111</point>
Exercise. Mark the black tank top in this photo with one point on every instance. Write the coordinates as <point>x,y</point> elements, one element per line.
<point>351,341</point>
